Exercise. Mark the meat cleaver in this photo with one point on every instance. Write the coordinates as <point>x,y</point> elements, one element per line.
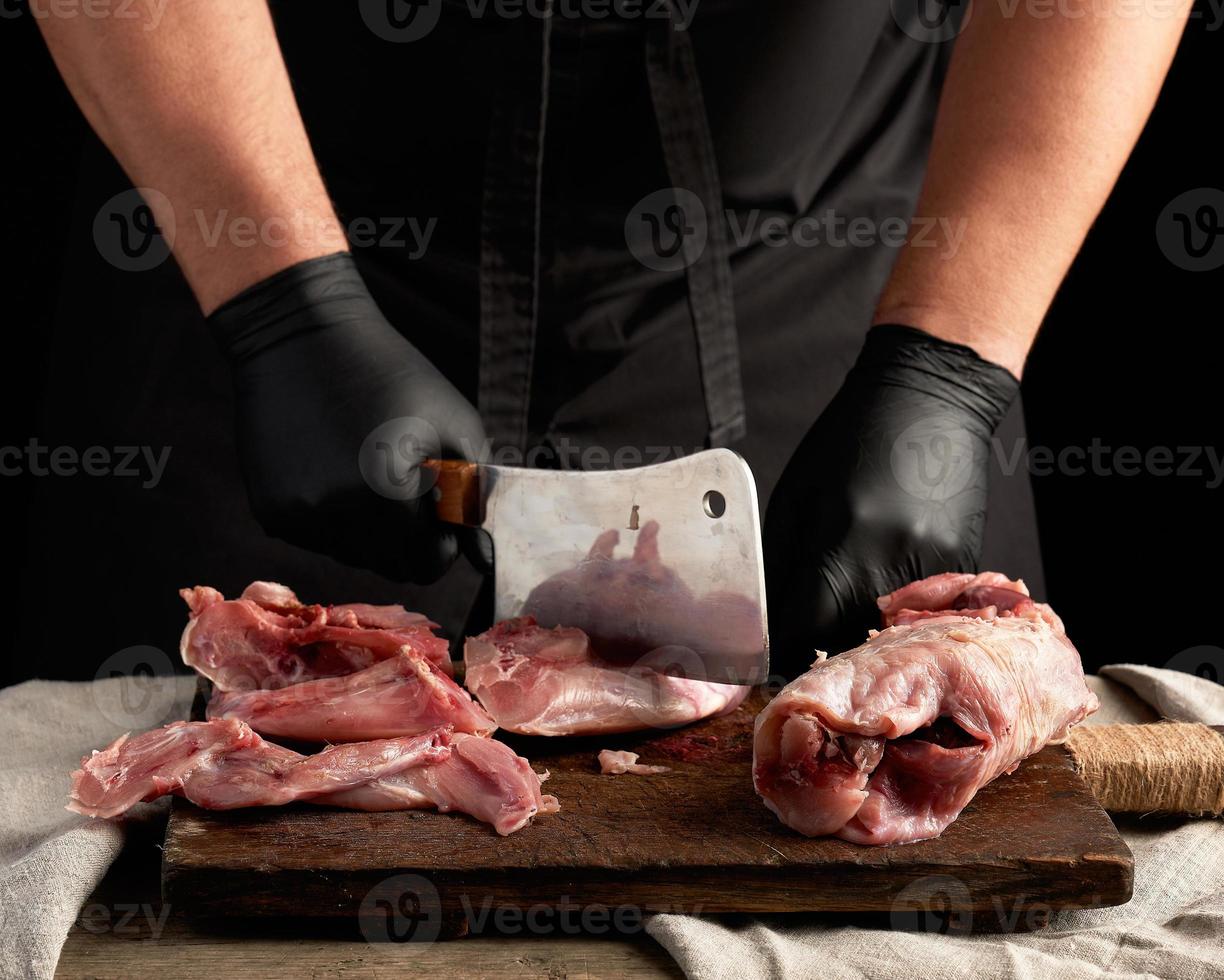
<point>660,565</point>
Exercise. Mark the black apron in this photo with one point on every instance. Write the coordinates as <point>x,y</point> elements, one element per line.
<point>621,269</point>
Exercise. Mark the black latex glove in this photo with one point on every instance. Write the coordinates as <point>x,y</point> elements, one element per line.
<point>317,370</point>
<point>889,486</point>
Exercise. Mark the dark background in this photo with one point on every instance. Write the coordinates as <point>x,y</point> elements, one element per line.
<point>1128,356</point>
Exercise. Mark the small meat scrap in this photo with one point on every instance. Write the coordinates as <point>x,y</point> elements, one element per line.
<point>613,762</point>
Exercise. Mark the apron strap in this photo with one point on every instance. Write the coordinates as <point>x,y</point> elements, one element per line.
<point>688,151</point>
<point>510,245</point>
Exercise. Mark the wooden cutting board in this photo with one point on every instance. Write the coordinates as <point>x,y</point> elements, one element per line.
<point>696,839</point>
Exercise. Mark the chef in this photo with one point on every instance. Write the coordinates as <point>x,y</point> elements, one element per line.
<point>597,233</point>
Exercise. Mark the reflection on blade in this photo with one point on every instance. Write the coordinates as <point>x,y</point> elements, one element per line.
<point>638,607</point>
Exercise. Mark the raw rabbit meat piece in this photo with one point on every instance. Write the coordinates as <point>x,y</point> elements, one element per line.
<point>133,769</point>
<point>267,774</point>
<point>268,639</point>
<point>223,765</point>
<point>537,681</point>
<point>889,742</point>
<point>987,595</point>
<point>482,777</point>
<point>403,695</point>
<point>614,762</point>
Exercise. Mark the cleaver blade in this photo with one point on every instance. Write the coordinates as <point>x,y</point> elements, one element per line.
<point>660,565</point>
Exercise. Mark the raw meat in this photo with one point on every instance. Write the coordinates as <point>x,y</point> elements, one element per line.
<point>483,777</point>
<point>403,695</point>
<point>268,639</point>
<point>888,742</point>
<point>223,764</point>
<point>988,595</point>
<point>613,762</point>
<point>538,681</point>
<point>129,770</point>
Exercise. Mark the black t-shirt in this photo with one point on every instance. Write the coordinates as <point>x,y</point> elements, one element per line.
<point>820,113</point>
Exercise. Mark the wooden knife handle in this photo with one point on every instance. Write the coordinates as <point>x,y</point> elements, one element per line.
<point>457,491</point>
<point>1165,767</point>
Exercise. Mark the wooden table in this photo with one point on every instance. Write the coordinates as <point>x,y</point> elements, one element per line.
<point>124,932</point>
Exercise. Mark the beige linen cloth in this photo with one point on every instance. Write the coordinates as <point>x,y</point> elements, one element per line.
<point>1173,927</point>
<point>51,860</point>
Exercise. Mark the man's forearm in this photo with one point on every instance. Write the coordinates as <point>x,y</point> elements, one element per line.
<point>1039,112</point>
<point>197,104</point>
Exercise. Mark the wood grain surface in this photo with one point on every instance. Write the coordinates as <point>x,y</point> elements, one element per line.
<point>696,839</point>
<point>125,930</point>
<point>186,952</point>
